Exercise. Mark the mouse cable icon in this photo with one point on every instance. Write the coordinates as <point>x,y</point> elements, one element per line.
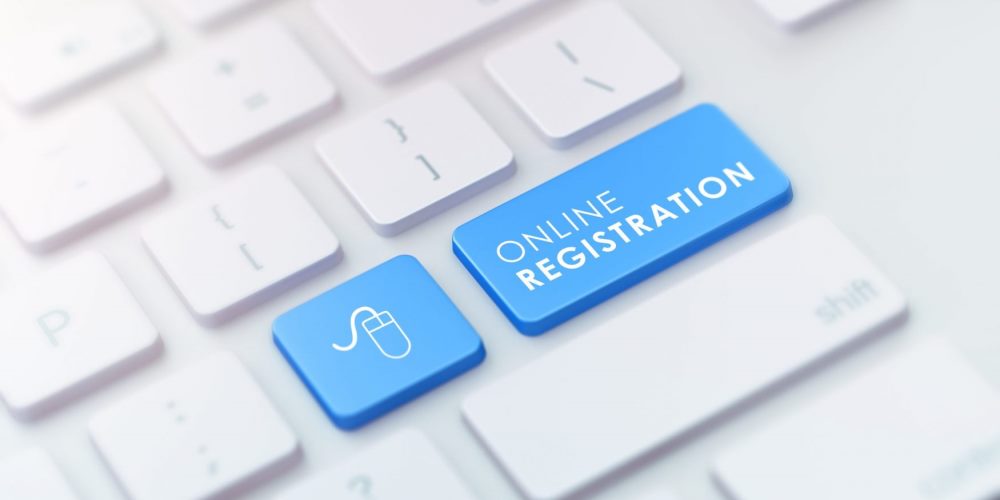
<point>379,321</point>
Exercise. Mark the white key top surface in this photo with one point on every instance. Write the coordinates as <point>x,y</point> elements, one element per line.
<point>404,466</point>
<point>196,434</point>
<point>87,43</point>
<point>60,181</point>
<point>205,13</point>
<point>389,37</point>
<point>657,494</point>
<point>232,247</point>
<point>795,13</point>
<point>921,425</point>
<point>250,85</point>
<point>33,475</point>
<point>415,157</point>
<point>659,370</point>
<point>569,82</point>
<point>67,330</point>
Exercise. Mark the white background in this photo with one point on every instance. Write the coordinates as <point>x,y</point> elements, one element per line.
<point>884,116</point>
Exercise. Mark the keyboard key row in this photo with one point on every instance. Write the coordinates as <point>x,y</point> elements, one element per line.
<point>681,358</point>
<point>402,162</point>
<point>827,293</point>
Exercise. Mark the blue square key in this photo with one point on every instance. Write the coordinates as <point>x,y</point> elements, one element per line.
<point>377,341</point>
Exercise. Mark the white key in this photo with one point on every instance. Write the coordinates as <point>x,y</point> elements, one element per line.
<point>654,373</point>
<point>206,13</point>
<point>403,466</point>
<point>922,425</point>
<point>200,433</point>
<point>32,474</point>
<point>390,37</point>
<point>68,330</point>
<point>415,157</point>
<point>82,46</point>
<point>657,494</point>
<point>253,84</point>
<point>236,245</point>
<point>570,83</point>
<point>61,181</point>
<point>795,13</point>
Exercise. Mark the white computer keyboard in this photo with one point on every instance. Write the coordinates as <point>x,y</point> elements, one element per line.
<point>192,188</point>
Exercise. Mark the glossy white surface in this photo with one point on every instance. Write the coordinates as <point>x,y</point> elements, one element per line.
<point>66,178</point>
<point>68,330</point>
<point>645,378</point>
<point>923,424</point>
<point>403,466</point>
<point>898,153</point>
<point>206,13</point>
<point>578,73</point>
<point>32,473</point>
<point>83,44</point>
<point>390,36</point>
<point>415,157</point>
<point>238,245</point>
<point>795,13</point>
<point>200,433</point>
<point>239,91</point>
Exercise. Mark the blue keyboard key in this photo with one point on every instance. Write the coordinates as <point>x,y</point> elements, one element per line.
<point>377,341</point>
<point>572,242</point>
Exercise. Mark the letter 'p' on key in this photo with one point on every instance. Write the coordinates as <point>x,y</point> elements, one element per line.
<point>576,240</point>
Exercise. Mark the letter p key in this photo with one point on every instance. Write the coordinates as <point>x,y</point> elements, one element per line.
<point>53,322</point>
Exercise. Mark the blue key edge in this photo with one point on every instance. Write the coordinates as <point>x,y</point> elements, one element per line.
<point>640,273</point>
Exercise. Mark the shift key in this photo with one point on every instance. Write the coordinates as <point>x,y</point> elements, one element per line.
<point>676,362</point>
<point>576,240</point>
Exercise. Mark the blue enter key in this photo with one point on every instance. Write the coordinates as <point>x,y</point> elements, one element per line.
<point>576,240</point>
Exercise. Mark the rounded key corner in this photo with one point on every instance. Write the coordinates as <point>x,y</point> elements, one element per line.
<point>386,228</point>
<point>531,327</point>
<point>352,421</point>
<point>211,318</point>
<point>406,259</point>
<point>291,447</point>
<point>785,196</point>
<point>478,354</point>
<point>707,107</point>
<point>278,327</point>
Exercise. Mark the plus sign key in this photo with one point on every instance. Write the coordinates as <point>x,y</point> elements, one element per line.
<point>415,157</point>
<point>235,246</point>
<point>377,341</point>
<point>248,86</point>
<point>570,83</point>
